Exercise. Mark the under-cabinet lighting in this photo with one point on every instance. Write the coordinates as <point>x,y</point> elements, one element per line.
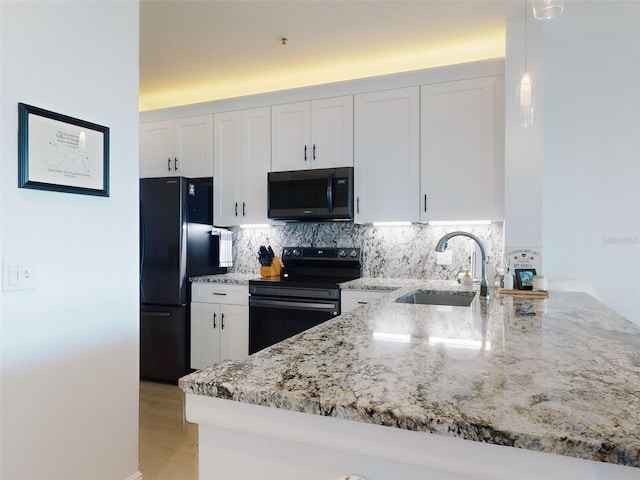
<point>459,222</point>
<point>392,337</point>
<point>255,225</point>
<point>459,343</point>
<point>391,224</point>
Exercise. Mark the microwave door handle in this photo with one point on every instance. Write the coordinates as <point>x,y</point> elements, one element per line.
<point>330,192</point>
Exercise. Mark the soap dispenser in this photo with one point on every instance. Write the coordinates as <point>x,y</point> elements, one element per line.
<point>508,280</point>
<point>466,280</point>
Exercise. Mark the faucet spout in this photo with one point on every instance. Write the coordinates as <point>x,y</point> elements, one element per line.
<point>442,245</point>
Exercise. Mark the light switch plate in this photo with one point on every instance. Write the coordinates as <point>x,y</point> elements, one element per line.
<point>18,274</point>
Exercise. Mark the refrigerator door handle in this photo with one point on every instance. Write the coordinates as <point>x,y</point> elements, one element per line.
<point>142,229</point>
<point>157,314</point>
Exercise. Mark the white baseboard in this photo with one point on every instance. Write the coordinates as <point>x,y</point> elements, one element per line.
<point>135,476</point>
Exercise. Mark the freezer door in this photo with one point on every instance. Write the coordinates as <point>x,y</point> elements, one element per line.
<point>164,348</point>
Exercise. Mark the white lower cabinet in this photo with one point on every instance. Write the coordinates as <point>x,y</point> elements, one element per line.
<point>219,323</point>
<point>352,299</point>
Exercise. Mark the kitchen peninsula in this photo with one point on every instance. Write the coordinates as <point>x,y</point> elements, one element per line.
<point>395,390</point>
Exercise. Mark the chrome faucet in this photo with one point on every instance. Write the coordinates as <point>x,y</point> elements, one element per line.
<point>442,245</point>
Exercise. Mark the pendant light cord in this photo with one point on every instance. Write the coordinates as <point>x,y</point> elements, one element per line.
<point>525,38</point>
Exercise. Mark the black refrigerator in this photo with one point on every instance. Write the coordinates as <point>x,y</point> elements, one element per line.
<point>176,217</point>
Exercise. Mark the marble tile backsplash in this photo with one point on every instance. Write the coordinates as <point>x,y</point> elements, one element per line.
<point>391,252</point>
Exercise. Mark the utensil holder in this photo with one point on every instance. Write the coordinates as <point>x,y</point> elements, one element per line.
<point>273,270</point>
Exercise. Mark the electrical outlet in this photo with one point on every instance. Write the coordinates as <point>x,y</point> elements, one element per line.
<point>18,274</point>
<point>444,258</point>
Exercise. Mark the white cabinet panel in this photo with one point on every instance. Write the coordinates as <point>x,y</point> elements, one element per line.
<point>156,149</point>
<point>242,160</point>
<point>177,147</point>
<point>219,323</point>
<point>460,159</point>
<point>256,163</point>
<point>205,334</point>
<point>352,299</point>
<point>387,155</point>
<point>316,134</point>
<point>227,168</point>
<point>332,132</point>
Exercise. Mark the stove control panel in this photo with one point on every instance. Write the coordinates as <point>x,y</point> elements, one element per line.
<point>333,253</point>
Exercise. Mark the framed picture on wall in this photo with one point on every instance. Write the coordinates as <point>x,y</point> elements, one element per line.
<point>524,278</point>
<point>61,153</point>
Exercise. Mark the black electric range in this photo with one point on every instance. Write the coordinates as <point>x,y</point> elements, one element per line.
<point>307,294</point>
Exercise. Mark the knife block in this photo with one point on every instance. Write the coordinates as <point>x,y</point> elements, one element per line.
<point>273,270</point>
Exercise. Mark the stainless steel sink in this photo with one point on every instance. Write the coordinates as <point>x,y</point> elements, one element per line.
<point>438,297</point>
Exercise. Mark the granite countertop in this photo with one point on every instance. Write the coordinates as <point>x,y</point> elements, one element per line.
<point>229,278</point>
<point>558,375</point>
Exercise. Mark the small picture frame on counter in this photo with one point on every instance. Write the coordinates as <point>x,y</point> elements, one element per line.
<point>524,278</point>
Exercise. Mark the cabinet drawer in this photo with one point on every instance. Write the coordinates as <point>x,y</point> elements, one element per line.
<point>207,292</point>
<point>352,299</point>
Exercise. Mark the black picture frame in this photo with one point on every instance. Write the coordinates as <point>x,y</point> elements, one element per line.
<point>524,278</point>
<point>61,153</point>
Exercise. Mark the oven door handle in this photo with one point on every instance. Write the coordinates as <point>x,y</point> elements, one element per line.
<point>259,302</point>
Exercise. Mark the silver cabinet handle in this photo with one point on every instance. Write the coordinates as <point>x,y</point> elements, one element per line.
<point>358,205</point>
<point>425,202</point>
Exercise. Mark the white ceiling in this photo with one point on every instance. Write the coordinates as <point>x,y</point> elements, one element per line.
<point>193,51</point>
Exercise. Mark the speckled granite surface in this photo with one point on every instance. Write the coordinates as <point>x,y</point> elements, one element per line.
<point>390,252</point>
<point>558,375</point>
<point>230,278</point>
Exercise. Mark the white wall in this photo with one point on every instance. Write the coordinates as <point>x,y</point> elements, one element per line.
<point>589,162</point>
<point>69,351</point>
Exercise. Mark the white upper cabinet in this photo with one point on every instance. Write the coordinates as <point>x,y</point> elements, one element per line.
<point>316,134</point>
<point>387,155</point>
<point>177,147</point>
<point>461,162</point>
<point>242,159</point>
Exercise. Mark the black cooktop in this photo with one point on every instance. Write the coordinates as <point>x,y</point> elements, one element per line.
<point>316,267</point>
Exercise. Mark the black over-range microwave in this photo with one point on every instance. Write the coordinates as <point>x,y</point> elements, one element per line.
<point>311,195</point>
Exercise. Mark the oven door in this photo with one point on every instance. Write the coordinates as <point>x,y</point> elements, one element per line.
<point>273,319</point>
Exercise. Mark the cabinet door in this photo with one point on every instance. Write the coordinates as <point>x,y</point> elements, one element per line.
<point>387,155</point>
<point>156,149</point>
<point>256,163</point>
<point>290,137</point>
<point>459,161</point>
<point>234,333</point>
<point>205,334</point>
<point>193,146</point>
<point>332,132</point>
<point>227,168</point>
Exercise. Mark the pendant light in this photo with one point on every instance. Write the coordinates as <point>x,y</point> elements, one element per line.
<point>525,87</point>
<point>546,9</point>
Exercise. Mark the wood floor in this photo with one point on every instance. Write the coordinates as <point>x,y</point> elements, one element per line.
<point>168,447</point>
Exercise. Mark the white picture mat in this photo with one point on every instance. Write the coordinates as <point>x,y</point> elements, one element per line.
<point>65,154</point>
